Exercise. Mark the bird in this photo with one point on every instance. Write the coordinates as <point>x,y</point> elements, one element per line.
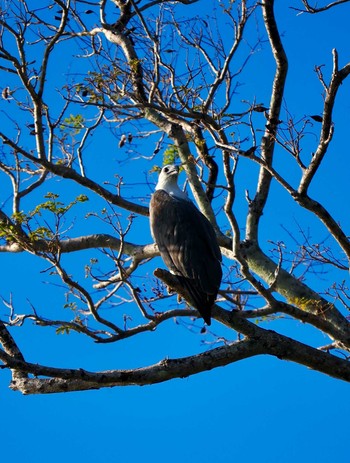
<point>122,141</point>
<point>186,241</point>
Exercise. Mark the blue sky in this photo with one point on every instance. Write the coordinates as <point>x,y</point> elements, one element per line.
<point>259,409</point>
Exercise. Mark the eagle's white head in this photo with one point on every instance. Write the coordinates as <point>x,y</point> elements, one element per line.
<point>167,181</point>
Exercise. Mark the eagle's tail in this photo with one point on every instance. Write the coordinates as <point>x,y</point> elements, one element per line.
<point>202,301</point>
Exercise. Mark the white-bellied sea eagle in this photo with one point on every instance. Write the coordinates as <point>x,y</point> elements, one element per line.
<point>186,241</point>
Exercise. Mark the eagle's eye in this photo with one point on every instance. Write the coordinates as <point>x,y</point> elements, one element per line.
<point>166,169</point>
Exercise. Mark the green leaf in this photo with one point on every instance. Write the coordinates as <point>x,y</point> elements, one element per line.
<point>73,124</point>
<point>170,155</point>
<point>62,330</point>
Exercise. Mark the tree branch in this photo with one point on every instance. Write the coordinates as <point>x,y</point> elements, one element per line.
<point>263,342</point>
<point>268,140</point>
<point>68,172</point>
<point>313,10</point>
<point>337,79</point>
<point>101,240</point>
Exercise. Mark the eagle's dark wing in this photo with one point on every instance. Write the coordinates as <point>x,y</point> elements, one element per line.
<point>188,246</point>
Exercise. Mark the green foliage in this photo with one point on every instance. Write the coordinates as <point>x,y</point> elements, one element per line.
<point>170,155</point>
<point>41,233</point>
<point>63,330</point>
<point>99,84</point>
<point>155,169</point>
<point>73,124</point>
<point>55,206</point>
<point>71,305</point>
<point>134,64</point>
<point>9,230</point>
<point>19,217</point>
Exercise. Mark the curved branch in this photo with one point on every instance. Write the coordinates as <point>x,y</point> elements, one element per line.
<point>338,76</point>
<point>312,10</point>
<point>329,222</point>
<point>67,172</point>
<point>263,342</point>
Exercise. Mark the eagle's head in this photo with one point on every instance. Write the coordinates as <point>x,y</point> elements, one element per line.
<point>167,181</point>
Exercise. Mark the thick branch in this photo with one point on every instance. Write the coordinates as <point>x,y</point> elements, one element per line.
<point>88,242</point>
<point>263,342</point>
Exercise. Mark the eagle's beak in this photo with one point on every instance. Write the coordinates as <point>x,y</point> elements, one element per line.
<point>175,170</point>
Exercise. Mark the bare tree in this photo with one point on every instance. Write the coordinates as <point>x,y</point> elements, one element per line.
<point>161,83</point>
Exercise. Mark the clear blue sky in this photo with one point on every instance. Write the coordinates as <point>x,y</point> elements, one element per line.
<point>260,409</point>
